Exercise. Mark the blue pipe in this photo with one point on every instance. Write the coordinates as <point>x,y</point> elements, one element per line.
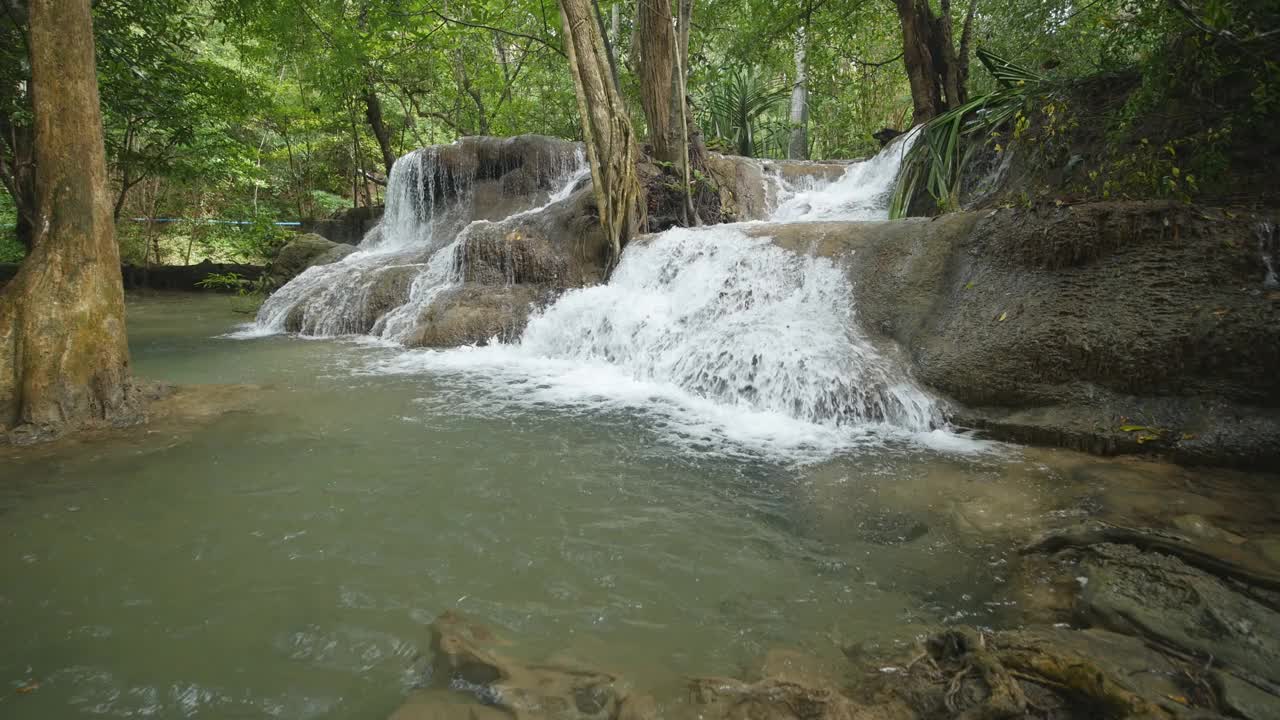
<point>289,223</point>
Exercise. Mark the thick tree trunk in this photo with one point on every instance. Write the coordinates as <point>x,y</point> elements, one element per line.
<point>373,114</point>
<point>64,357</point>
<point>917,55</point>
<point>798,144</point>
<point>610,140</point>
<point>662,51</point>
<point>938,73</point>
<point>656,66</point>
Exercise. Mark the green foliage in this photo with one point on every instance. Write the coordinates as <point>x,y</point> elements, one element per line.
<point>937,160</point>
<point>327,203</point>
<point>249,294</point>
<point>10,249</point>
<point>260,109</point>
<point>742,113</point>
<point>226,281</point>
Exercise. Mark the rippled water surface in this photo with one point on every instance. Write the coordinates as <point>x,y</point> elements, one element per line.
<point>285,560</point>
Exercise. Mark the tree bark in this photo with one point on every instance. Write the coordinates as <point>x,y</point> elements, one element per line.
<point>373,114</point>
<point>655,65</point>
<point>662,51</point>
<point>917,56</point>
<point>606,129</point>
<point>798,144</point>
<point>937,72</point>
<point>18,172</point>
<point>64,356</point>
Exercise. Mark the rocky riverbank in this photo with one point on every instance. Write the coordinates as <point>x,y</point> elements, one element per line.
<point>1105,327</point>
<point>1155,597</point>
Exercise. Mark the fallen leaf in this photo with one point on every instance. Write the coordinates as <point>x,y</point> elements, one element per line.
<point>969,286</point>
<point>1179,699</point>
<point>1221,312</point>
<point>1002,317</point>
<point>29,688</point>
<point>1132,428</point>
<point>1188,436</point>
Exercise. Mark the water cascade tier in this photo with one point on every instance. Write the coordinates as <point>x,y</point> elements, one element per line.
<point>437,199</point>
<point>721,330</point>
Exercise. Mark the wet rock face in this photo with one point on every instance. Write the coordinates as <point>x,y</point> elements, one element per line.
<point>302,252</point>
<point>1110,327</point>
<point>475,314</point>
<point>495,176</point>
<point>348,226</point>
<point>561,246</point>
<point>749,186</point>
<point>469,244</point>
<point>1158,596</point>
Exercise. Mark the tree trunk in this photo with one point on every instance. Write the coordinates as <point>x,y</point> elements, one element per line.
<point>655,64</point>
<point>18,172</point>
<point>662,50</point>
<point>798,145</point>
<point>610,140</point>
<point>917,55</point>
<point>936,71</point>
<point>64,356</point>
<point>373,114</point>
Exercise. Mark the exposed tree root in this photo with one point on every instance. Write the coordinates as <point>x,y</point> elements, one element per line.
<point>1096,532</point>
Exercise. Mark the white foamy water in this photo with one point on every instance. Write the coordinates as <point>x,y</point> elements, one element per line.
<point>716,337</point>
<point>718,340</point>
<point>406,261</point>
<point>862,193</point>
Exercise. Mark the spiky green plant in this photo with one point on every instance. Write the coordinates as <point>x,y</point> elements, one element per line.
<point>946,143</point>
<point>738,110</point>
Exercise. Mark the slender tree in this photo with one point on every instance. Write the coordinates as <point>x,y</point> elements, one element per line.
<point>798,143</point>
<point>64,357</point>
<point>606,129</point>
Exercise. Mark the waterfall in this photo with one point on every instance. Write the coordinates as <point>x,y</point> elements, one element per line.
<point>722,333</point>
<point>412,255</point>
<point>1268,245</point>
<point>736,320</point>
<point>862,193</point>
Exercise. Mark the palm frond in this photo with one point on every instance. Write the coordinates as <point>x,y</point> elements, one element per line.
<point>737,109</point>
<point>937,160</point>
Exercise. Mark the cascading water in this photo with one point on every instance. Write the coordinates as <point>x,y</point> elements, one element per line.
<point>411,257</point>
<point>736,320</point>
<point>1268,246</point>
<point>722,332</point>
<point>862,193</point>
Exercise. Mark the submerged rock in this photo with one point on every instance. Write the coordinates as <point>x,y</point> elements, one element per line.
<point>471,678</point>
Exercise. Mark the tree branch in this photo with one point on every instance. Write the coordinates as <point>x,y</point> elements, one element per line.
<point>865,63</point>
<point>512,33</point>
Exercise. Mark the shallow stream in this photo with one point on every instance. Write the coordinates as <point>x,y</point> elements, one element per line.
<point>285,560</point>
